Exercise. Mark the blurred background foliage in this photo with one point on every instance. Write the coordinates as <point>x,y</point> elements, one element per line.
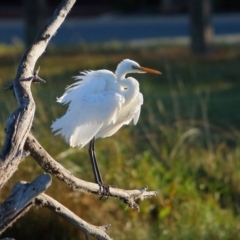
<point>186,145</point>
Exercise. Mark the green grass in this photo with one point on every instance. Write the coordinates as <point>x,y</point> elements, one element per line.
<point>186,145</point>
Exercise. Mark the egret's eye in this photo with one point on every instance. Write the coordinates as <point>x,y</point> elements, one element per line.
<point>135,67</point>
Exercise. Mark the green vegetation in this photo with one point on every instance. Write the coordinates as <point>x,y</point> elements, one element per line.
<point>186,145</point>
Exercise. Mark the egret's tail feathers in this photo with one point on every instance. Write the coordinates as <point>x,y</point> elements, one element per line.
<point>84,134</point>
<point>62,127</point>
<point>75,135</point>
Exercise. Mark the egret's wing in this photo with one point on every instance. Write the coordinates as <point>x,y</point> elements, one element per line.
<point>82,121</point>
<point>126,115</point>
<point>86,83</point>
<point>91,105</point>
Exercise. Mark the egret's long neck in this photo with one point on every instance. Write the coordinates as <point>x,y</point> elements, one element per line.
<point>122,71</point>
<point>120,74</point>
<point>130,89</point>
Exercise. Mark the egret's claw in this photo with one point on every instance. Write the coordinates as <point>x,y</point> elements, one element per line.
<point>103,190</point>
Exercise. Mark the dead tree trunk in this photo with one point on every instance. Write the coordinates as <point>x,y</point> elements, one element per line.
<point>19,139</point>
<point>200,26</point>
<point>34,15</point>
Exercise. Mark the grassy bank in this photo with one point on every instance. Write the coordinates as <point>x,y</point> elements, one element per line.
<point>186,145</point>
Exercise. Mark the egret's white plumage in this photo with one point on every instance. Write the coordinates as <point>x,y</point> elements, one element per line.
<point>129,111</point>
<point>100,103</point>
<point>94,100</point>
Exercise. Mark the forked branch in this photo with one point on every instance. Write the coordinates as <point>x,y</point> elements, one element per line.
<point>18,136</point>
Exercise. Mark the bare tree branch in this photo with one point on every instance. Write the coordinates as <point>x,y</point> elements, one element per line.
<point>18,136</point>
<point>44,200</point>
<point>21,199</point>
<point>57,170</point>
<point>19,122</point>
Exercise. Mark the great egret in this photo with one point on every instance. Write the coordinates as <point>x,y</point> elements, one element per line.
<point>100,103</point>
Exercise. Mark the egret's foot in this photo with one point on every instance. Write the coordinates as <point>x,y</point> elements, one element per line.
<point>104,190</point>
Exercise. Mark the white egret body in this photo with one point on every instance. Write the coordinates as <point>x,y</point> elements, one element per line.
<point>100,103</point>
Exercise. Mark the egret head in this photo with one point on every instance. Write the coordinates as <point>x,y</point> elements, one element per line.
<point>130,66</point>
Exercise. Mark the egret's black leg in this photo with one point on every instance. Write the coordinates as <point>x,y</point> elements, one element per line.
<point>93,161</point>
<point>103,189</point>
<point>100,181</point>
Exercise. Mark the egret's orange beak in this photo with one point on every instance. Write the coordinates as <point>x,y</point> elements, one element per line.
<point>149,70</point>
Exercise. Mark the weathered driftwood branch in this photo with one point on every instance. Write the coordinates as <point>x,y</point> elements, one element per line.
<point>25,195</point>
<point>20,121</point>
<point>21,199</point>
<point>44,200</point>
<point>56,169</point>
